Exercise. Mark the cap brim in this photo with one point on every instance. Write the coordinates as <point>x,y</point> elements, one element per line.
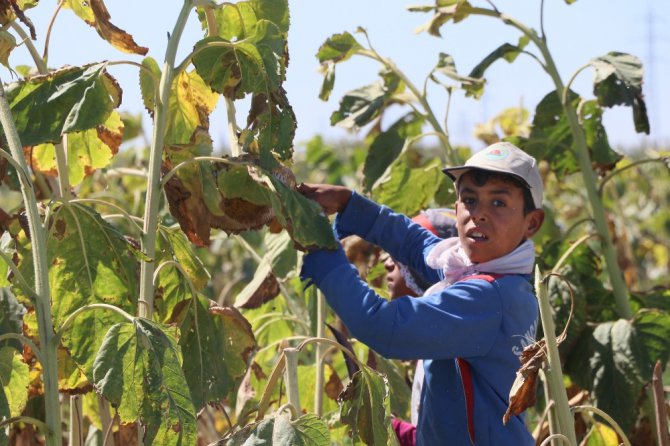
<point>455,173</point>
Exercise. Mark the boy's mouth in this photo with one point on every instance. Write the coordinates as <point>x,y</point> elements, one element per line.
<point>477,236</point>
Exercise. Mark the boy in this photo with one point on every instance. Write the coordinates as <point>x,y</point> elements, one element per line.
<point>473,322</point>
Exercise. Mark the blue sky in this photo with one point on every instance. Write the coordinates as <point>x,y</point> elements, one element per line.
<point>576,33</point>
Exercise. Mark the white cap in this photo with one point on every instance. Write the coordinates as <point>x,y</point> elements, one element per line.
<point>504,157</point>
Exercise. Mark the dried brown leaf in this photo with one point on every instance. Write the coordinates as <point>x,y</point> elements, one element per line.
<point>111,33</point>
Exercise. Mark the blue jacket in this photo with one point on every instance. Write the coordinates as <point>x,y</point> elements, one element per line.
<point>485,322</point>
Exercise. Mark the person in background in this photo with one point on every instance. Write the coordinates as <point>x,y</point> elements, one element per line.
<point>471,325</point>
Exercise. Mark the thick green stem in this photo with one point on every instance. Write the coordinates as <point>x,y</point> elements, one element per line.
<point>41,269</point>
<point>581,152</point>
<point>76,419</point>
<point>291,378</point>
<point>320,350</point>
<point>146,299</point>
<point>553,372</point>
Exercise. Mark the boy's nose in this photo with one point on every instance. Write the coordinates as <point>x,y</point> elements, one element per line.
<point>479,213</point>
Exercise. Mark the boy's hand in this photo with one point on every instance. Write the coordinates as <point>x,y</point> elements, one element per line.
<point>332,198</point>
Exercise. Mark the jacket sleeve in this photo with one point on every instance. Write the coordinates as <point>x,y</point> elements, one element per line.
<point>406,241</point>
<point>434,326</point>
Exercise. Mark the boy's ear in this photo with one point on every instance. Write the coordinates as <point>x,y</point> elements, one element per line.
<point>534,220</point>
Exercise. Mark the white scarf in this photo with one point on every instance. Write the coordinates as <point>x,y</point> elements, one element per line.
<point>449,256</point>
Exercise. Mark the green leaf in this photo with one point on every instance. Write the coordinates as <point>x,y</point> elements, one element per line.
<point>302,218</point>
<point>603,156</point>
<point>173,290</point>
<point>254,64</point>
<point>182,252</point>
<point>614,391</point>
<point>14,378</point>
<point>387,146</point>
<point>652,331</point>
<point>550,138</point>
<point>393,189</point>
<point>11,315</point>
<point>72,99</point>
<point>90,262</point>
<point>216,343</point>
<point>624,355</point>
<point>400,392</point>
<point>308,430</point>
<point>149,83</point>
<point>363,406</point>
<point>276,11</point>
<point>189,107</point>
<point>618,80</point>
<point>280,259</point>
<point>338,48</point>
<point>234,21</point>
<point>138,369</point>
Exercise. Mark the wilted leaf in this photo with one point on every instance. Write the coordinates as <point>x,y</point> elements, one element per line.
<point>261,289</point>
<point>601,435</point>
<point>86,151</point>
<point>272,123</point>
<point>393,188</point>
<point>95,14</point>
<point>522,394</point>
<point>445,10</point>
<point>72,100</point>
<point>10,10</point>
<point>618,80</point>
<point>359,107</point>
<point>363,406</point>
<point>308,430</point>
<point>387,146</point>
<point>474,86</point>
<point>138,369</point>
<point>190,104</point>
<point>14,380</point>
<point>216,343</point>
<point>505,51</point>
<point>7,44</point>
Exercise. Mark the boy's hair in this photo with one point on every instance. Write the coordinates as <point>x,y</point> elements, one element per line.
<point>481,177</point>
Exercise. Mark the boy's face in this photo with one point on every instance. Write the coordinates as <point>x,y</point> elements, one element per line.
<point>490,218</point>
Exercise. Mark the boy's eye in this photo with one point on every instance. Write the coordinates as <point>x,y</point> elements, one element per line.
<point>468,201</point>
<point>499,203</point>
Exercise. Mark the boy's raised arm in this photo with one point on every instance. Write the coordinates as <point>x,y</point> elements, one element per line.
<point>333,199</point>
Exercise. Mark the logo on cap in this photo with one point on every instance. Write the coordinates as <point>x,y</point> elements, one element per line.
<point>497,153</point>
